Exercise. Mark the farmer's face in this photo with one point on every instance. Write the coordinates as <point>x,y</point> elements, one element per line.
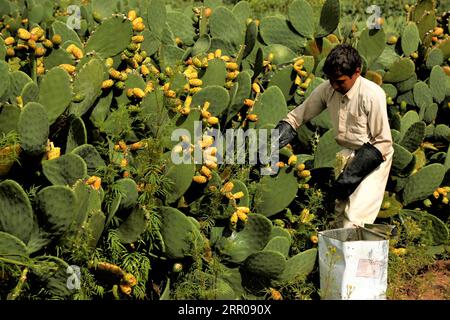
<point>343,83</point>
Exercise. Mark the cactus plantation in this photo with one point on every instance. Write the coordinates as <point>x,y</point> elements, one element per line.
<point>91,92</point>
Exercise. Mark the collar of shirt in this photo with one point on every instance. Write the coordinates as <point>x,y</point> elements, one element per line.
<point>354,89</point>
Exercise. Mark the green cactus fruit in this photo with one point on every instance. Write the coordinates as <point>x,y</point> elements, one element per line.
<point>12,248</point>
<point>277,30</point>
<point>270,108</point>
<point>216,74</point>
<point>65,170</point>
<point>438,80</point>
<point>252,238</point>
<point>327,148</point>
<point>180,236</point>
<point>400,70</point>
<point>33,128</point>
<point>414,136</point>
<point>301,16</point>
<point>390,206</point>
<point>421,184</point>
<point>91,156</point>
<point>56,205</point>
<point>55,93</point>
<point>410,38</point>
<point>371,44</point>
<point>217,97</point>
<point>275,193</point>
<point>265,264</point>
<point>279,244</point>
<point>298,266</point>
<point>88,82</point>
<point>128,188</point>
<point>77,135</point>
<point>111,37</point>
<point>134,226</point>
<point>16,214</point>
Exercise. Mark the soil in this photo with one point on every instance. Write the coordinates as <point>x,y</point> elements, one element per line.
<point>432,284</point>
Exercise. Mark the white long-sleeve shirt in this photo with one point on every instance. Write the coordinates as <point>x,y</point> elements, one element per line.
<point>358,117</point>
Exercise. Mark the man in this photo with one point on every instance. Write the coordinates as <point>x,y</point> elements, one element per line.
<point>357,108</point>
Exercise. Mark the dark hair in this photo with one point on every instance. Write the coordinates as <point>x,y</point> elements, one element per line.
<point>342,60</point>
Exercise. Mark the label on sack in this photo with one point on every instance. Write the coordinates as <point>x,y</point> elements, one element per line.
<point>368,268</point>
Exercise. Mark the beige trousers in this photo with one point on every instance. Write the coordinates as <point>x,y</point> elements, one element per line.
<point>365,202</point>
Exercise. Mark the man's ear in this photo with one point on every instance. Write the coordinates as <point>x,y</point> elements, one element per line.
<point>357,71</point>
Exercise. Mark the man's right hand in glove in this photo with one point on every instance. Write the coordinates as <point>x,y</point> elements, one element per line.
<point>286,133</point>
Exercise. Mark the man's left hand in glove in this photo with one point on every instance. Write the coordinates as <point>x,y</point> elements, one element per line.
<point>367,159</point>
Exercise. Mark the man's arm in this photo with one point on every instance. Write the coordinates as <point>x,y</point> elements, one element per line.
<point>310,108</point>
<point>378,123</point>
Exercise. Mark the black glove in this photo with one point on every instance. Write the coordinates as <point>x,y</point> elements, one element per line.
<point>286,133</point>
<point>367,158</point>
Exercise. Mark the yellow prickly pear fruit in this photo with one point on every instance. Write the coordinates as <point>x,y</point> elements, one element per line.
<point>197,62</point>
<point>194,90</point>
<point>232,66</point>
<point>301,167</point>
<point>130,93</point>
<point>252,117</point>
<point>188,102</point>
<point>392,40</point>
<point>185,111</point>
<point>109,62</point>
<point>10,41</point>
<point>225,58</point>
<point>39,51</point>
<point>244,209</point>
<point>170,94</point>
<point>107,84</point>
<point>299,62</point>
<point>206,114</point>
<point>232,75</point>
<point>132,15</point>
<point>144,70</point>
<point>195,82</point>
<point>213,121</point>
<point>211,164</point>
<point>438,31</point>
<point>126,289</point>
<point>436,194</point>
<point>234,219</point>
<point>149,87</point>
<point>205,62</point>
<point>138,26</point>
<point>138,145</point>
<point>40,70</point>
<point>178,41</point>
<point>206,172</point>
<point>53,152</point>
<point>211,56</point>
<point>191,75</point>
<point>256,88</point>
<point>218,53</point>
<point>242,216</point>
<point>305,173</point>
<point>139,93</point>
<point>227,187</point>
<point>238,195</point>
<point>57,39</point>
<point>200,179</point>
<point>68,67</point>
<point>137,39</point>
<point>10,52</point>
<point>207,12</point>
<point>38,32</point>
<point>292,160</point>
<point>249,102</point>
<point>275,294</point>
<point>116,75</point>
<point>47,44</point>
<point>123,163</point>
<point>303,73</point>
<point>130,279</point>
<point>23,34</point>
<point>206,142</point>
<point>280,164</point>
<point>314,239</point>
